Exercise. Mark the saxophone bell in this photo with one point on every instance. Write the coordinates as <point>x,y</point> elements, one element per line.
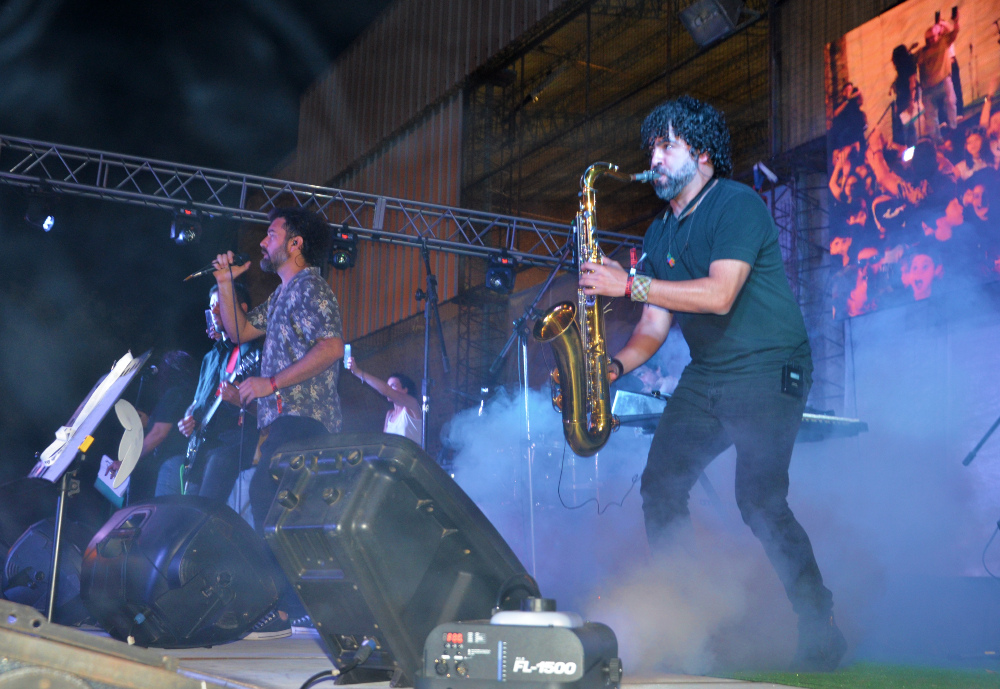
<point>580,384</point>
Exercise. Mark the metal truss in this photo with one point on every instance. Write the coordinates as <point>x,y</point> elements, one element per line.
<point>62,169</point>
<point>796,204</point>
<point>621,16</point>
<point>646,9</point>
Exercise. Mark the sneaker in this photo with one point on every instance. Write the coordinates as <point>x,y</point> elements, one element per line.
<point>270,626</point>
<point>821,645</point>
<point>304,622</point>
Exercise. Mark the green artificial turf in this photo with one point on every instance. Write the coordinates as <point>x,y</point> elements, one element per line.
<point>874,676</point>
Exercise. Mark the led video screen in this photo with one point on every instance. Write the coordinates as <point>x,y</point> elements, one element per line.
<point>913,144</point>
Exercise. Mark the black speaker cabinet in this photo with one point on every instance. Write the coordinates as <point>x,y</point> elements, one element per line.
<point>177,572</point>
<point>380,542</point>
<point>24,502</point>
<point>35,653</point>
<point>27,572</point>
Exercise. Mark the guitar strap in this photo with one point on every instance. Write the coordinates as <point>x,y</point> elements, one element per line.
<point>234,357</point>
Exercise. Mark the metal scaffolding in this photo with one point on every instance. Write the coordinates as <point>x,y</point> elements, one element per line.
<point>579,94</point>
<point>62,169</point>
<point>797,205</point>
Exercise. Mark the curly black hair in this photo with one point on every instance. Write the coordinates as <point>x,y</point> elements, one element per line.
<point>310,226</point>
<point>699,124</point>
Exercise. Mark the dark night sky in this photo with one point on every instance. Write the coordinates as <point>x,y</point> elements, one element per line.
<point>206,83</point>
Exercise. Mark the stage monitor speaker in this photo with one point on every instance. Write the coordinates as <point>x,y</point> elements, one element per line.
<point>27,572</point>
<point>180,571</point>
<point>709,20</point>
<point>37,654</point>
<point>24,502</point>
<point>380,542</point>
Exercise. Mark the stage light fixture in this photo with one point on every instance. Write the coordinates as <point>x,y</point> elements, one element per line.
<point>908,154</point>
<point>709,20</point>
<point>500,274</point>
<point>40,212</point>
<point>186,227</point>
<point>762,172</point>
<point>343,248</point>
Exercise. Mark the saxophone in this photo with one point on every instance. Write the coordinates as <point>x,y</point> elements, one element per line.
<point>581,389</point>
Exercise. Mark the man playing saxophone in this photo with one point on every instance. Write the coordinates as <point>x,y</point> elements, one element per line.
<point>712,260</point>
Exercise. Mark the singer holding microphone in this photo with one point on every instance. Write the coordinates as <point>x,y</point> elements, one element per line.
<point>300,322</point>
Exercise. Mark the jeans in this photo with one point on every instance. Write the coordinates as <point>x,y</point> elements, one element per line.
<point>935,99</point>
<point>701,420</point>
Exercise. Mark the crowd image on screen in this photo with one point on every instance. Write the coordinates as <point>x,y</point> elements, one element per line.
<point>910,206</point>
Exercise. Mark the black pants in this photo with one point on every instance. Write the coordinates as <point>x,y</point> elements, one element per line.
<point>215,468</point>
<point>701,420</point>
<point>263,486</point>
<point>263,489</point>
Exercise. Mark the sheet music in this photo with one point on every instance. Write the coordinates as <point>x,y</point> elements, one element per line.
<point>58,456</point>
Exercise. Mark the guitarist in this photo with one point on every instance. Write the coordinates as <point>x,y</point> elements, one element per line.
<point>214,432</point>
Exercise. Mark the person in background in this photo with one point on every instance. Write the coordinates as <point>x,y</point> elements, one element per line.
<point>978,155</point>
<point>170,390</point>
<point>906,89</point>
<point>920,270</point>
<point>404,418</point>
<point>215,463</point>
<point>937,87</point>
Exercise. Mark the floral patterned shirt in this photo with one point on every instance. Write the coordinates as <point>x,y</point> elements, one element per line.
<point>294,318</point>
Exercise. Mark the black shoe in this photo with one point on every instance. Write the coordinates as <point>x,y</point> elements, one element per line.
<point>304,622</point>
<point>270,626</point>
<point>821,645</point>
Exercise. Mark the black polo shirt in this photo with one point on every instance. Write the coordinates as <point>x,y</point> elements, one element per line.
<point>764,328</point>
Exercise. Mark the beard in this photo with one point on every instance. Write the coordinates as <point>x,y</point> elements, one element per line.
<point>270,264</point>
<point>670,187</point>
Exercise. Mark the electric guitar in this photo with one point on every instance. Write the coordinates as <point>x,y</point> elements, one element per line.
<point>248,364</point>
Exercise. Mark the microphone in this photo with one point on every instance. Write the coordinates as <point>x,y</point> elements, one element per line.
<point>150,371</point>
<point>644,176</point>
<point>238,260</point>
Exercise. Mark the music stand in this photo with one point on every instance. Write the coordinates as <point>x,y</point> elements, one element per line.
<point>72,439</point>
<point>57,457</point>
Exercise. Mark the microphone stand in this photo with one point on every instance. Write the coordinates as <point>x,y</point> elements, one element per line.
<point>972,455</point>
<point>69,486</point>
<point>430,299</point>
<point>519,334</point>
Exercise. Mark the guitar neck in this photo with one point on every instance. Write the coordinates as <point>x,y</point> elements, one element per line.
<point>244,366</point>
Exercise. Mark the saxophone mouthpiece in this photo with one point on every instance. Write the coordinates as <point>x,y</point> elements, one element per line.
<point>645,176</point>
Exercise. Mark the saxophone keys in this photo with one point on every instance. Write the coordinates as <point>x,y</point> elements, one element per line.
<point>555,390</point>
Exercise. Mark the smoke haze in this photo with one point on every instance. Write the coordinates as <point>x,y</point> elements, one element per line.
<point>897,523</point>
